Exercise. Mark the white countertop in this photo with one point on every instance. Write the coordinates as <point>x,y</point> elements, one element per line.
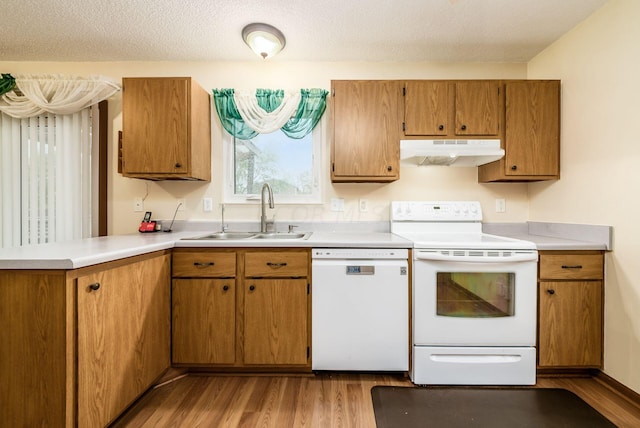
<point>86,252</point>
<point>556,236</point>
<point>92,251</point>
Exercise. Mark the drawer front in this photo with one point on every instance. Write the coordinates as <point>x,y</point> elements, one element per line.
<point>204,264</point>
<point>271,264</point>
<point>571,266</point>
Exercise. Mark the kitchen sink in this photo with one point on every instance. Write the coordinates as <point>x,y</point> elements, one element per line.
<point>249,235</point>
<point>282,235</point>
<point>224,235</point>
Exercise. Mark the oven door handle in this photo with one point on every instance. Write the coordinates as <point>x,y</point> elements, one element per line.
<point>526,257</point>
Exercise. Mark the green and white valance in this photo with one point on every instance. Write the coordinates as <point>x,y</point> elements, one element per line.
<point>57,94</point>
<point>245,114</point>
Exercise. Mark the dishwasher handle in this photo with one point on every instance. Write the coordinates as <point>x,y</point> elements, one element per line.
<point>520,257</point>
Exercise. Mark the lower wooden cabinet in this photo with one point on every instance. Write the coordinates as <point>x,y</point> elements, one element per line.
<point>570,298</point>
<point>275,322</point>
<point>241,309</point>
<point>79,346</point>
<point>123,336</point>
<point>204,321</point>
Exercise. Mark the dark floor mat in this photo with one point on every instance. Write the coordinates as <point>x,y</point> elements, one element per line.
<point>405,407</point>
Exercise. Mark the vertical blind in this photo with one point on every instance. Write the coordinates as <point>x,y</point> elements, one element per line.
<point>46,183</point>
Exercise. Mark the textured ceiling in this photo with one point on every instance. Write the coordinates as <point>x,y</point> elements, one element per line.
<point>323,30</point>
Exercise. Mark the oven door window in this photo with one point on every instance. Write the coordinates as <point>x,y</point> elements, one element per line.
<point>475,294</point>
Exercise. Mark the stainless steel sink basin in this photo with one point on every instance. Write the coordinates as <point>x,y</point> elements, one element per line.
<point>282,235</point>
<point>224,235</point>
<point>249,235</point>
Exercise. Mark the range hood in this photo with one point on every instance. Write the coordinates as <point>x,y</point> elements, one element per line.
<point>449,152</point>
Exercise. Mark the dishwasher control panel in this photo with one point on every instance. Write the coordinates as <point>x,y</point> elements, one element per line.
<point>359,253</point>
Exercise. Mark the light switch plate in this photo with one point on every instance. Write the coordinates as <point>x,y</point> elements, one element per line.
<point>207,204</point>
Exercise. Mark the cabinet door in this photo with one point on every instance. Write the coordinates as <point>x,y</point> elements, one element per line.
<point>275,321</point>
<point>477,108</point>
<point>426,108</point>
<point>155,122</point>
<point>203,318</point>
<point>570,326</point>
<point>532,134</point>
<point>366,130</point>
<point>123,336</point>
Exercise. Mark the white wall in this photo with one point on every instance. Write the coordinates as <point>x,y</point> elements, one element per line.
<point>599,65</point>
<point>423,183</point>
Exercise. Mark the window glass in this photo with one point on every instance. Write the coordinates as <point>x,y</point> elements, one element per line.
<point>290,166</point>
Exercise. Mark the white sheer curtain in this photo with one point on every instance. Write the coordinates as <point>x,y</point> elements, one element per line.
<point>49,156</point>
<point>58,94</point>
<point>9,182</point>
<point>46,179</point>
<point>260,120</point>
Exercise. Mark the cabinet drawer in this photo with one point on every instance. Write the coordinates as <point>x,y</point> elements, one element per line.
<point>276,264</point>
<point>571,266</point>
<point>204,264</point>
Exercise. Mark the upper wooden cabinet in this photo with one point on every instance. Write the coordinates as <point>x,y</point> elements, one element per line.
<point>452,109</point>
<point>367,117</point>
<point>166,124</point>
<point>532,134</point>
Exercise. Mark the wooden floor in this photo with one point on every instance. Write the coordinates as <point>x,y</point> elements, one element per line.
<point>324,400</point>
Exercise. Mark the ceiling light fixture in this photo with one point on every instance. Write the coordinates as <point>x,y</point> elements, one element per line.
<point>263,39</point>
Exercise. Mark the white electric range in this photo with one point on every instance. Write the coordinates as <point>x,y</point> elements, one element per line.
<point>474,297</point>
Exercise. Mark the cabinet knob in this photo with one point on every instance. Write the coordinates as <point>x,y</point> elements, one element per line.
<point>95,286</point>
<point>463,127</point>
<point>178,165</point>
<point>225,288</point>
<point>551,291</point>
<point>252,287</point>
<point>389,168</point>
<point>441,127</point>
<point>514,167</point>
<point>571,266</point>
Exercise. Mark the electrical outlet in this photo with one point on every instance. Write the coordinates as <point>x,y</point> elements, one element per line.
<point>363,204</point>
<point>138,205</point>
<point>337,204</point>
<point>501,205</point>
<point>181,204</point>
<point>207,204</point>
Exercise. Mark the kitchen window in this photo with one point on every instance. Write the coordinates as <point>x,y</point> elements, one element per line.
<point>271,137</point>
<point>291,166</point>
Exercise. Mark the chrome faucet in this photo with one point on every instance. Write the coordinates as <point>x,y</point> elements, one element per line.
<point>223,227</point>
<point>263,217</point>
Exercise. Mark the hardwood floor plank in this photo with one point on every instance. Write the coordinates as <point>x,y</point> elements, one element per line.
<point>336,400</point>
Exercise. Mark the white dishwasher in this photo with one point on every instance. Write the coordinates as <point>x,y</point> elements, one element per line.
<point>360,309</point>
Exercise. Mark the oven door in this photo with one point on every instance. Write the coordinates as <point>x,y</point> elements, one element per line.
<point>472,298</point>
